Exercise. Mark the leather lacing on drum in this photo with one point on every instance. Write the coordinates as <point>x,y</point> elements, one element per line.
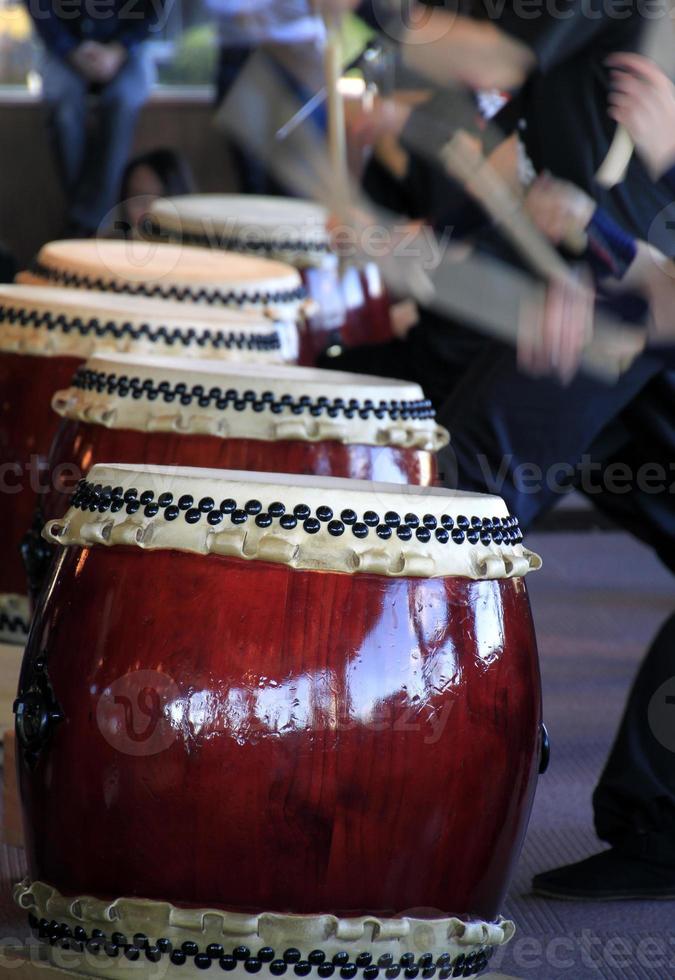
<point>193,294</point>
<point>340,965</point>
<point>503,531</point>
<point>234,243</point>
<point>224,398</point>
<point>237,340</point>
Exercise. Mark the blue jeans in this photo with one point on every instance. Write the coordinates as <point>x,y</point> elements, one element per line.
<point>91,154</point>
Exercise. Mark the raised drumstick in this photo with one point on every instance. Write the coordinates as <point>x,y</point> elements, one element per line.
<point>616,163</point>
<point>337,136</point>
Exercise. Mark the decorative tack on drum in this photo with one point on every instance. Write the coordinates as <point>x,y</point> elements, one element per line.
<point>205,276</point>
<point>44,334</point>
<point>51,322</point>
<point>281,419</point>
<point>285,229</point>
<point>103,939</point>
<point>335,682</point>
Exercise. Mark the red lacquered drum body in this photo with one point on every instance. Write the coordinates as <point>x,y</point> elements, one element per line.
<point>45,333</point>
<point>27,426</point>
<point>337,743</point>
<point>353,309</point>
<point>78,445</point>
<point>271,695</point>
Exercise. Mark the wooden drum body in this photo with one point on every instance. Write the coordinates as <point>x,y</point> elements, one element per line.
<point>286,708</point>
<point>27,427</point>
<point>45,334</point>
<point>350,302</point>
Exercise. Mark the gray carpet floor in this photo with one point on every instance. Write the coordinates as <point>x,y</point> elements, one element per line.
<point>597,603</point>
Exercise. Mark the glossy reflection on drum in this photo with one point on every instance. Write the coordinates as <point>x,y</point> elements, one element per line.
<point>299,717</point>
<point>44,335</point>
<point>351,300</point>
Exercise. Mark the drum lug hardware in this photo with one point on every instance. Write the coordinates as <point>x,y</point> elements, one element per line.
<point>545,752</point>
<point>37,712</point>
<point>37,555</point>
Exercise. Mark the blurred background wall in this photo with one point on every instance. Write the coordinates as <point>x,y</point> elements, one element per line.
<point>182,121</point>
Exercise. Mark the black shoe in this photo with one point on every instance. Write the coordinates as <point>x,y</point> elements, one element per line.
<point>607,877</point>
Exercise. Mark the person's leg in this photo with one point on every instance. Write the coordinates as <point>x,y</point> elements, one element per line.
<point>634,802</point>
<point>525,439</point>
<point>108,148</point>
<point>65,95</point>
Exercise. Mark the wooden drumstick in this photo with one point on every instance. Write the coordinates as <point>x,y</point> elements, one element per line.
<point>658,46</point>
<point>615,165</point>
<point>466,163</point>
<point>337,135</point>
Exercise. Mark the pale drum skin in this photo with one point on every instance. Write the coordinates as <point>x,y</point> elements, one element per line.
<point>337,743</point>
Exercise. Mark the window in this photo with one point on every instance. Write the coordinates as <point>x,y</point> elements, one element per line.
<point>18,49</point>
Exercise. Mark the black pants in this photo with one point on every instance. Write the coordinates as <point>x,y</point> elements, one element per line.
<point>91,158</point>
<point>529,440</point>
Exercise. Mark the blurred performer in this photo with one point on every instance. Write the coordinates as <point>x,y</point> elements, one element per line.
<point>634,801</point>
<point>100,52</point>
<point>293,34</point>
<point>504,424</point>
<point>554,66</point>
<point>552,426</point>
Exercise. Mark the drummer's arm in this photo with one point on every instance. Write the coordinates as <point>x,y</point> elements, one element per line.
<point>652,274</point>
<point>479,54</point>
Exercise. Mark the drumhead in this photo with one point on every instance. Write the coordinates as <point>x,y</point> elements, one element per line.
<point>250,402</point>
<point>307,522</point>
<point>275,226</point>
<point>164,271</point>
<point>47,321</point>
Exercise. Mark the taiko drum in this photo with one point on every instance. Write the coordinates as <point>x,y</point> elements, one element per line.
<point>270,720</point>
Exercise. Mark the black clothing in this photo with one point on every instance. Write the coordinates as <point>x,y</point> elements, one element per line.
<point>564,103</point>
<point>501,421</point>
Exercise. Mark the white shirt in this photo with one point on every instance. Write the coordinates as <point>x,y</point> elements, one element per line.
<point>253,22</point>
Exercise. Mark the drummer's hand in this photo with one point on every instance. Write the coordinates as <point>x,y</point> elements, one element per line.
<point>369,125</point>
<point>559,209</point>
<point>553,333</point>
<point>643,100</point>
<point>368,121</point>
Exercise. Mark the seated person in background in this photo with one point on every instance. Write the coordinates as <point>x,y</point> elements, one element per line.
<point>159,173</point>
<point>101,52</point>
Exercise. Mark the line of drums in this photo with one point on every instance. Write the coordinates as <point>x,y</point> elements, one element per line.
<point>279,709</point>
